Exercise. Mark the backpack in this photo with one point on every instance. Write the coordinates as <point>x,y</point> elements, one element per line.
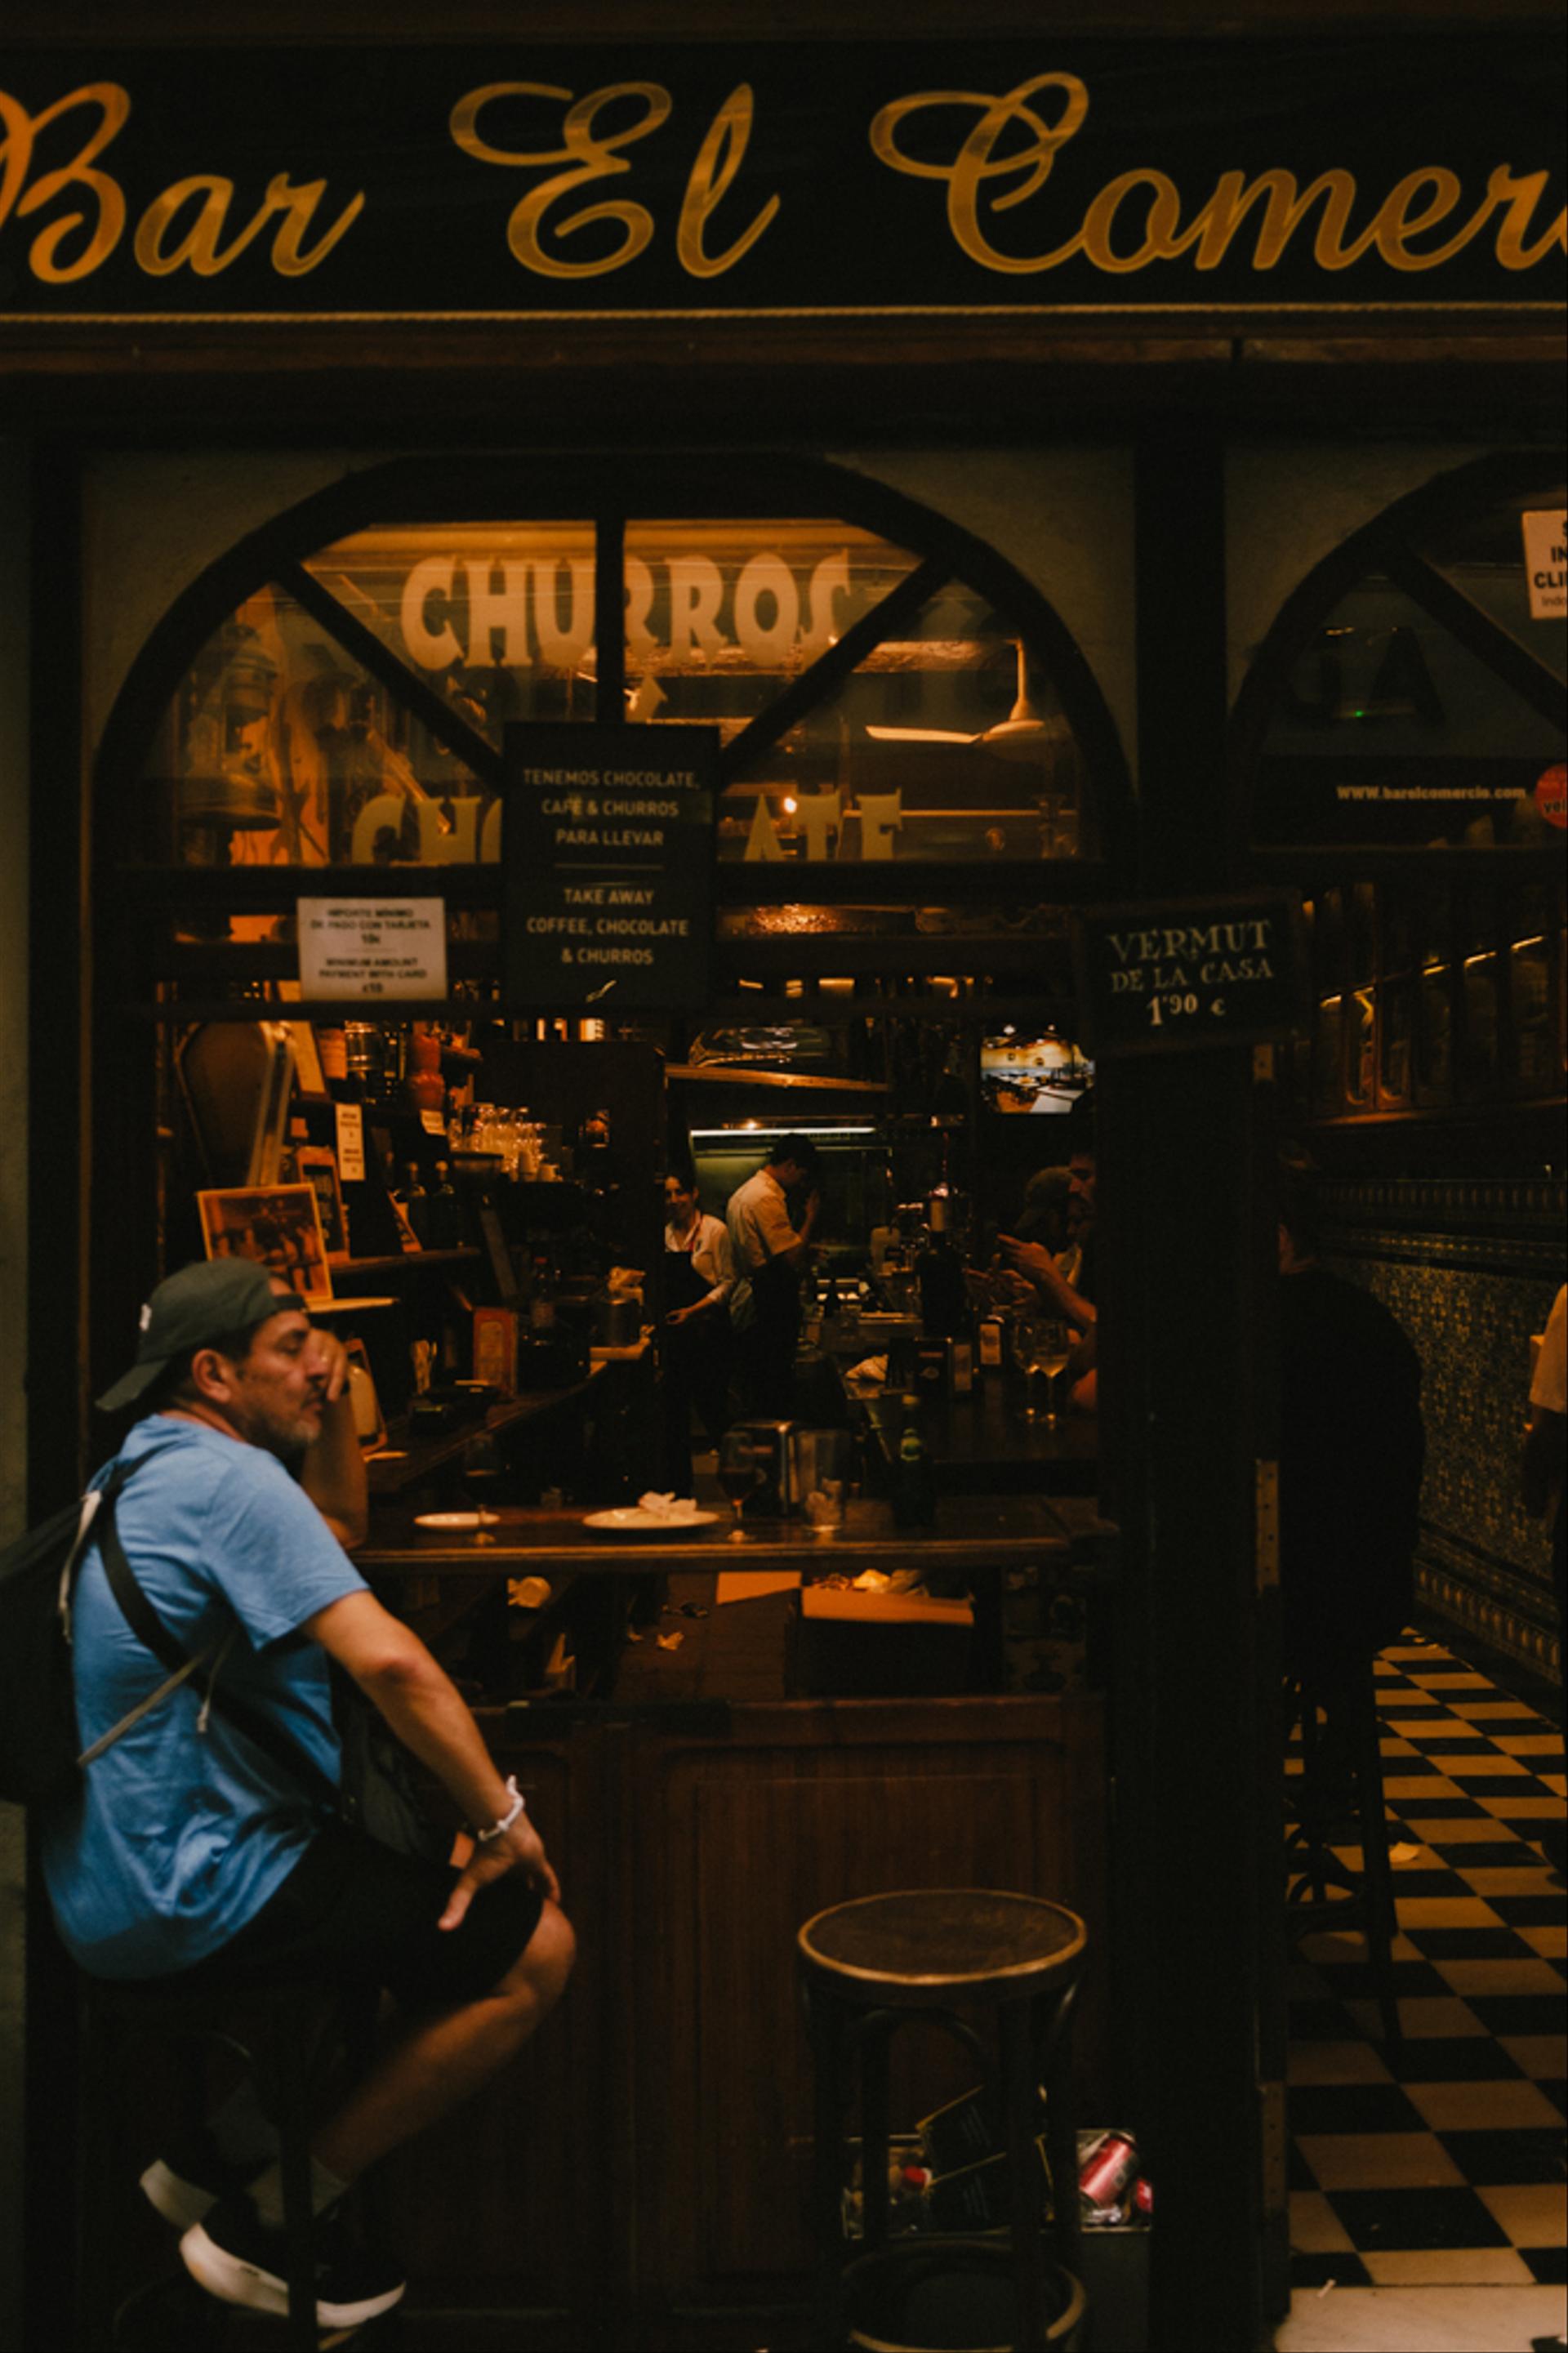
<point>39,1743</point>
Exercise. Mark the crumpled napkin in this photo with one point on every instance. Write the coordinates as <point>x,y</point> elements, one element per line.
<point>667,1507</point>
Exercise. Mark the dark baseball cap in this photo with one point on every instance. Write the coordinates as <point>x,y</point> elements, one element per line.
<point>203,1304</point>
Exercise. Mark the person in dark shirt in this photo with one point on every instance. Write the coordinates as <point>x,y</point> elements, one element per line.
<point>1351,1449</point>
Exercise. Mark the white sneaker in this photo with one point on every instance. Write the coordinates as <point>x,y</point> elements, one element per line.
<point>232,2255</point>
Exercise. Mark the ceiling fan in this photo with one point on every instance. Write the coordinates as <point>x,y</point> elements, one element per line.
<point>1019,736</point>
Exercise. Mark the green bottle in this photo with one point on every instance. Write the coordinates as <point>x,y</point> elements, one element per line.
<point>914,1482</point>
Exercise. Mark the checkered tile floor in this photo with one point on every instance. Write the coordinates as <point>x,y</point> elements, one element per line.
<point>1443,2163</point>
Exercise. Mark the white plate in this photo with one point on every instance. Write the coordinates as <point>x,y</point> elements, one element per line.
<point>455,1523</point>
<point>631,1520</point>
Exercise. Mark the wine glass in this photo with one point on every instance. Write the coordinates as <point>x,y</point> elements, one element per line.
<point>739,1471</point>
<point>1050,1348</point>
<point>1040,1346</point>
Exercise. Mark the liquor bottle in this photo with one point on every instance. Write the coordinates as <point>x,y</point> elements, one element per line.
<point>446,1212</point>
<point>332,1047</point>
<point>913,1481</point>
<point>541,1297</point>
<point>416,1206</point>
<point>944,1299</point>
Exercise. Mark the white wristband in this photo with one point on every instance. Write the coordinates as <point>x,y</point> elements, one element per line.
<point>499,1829</point>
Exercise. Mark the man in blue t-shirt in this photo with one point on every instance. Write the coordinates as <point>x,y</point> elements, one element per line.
<point>190,1856</point>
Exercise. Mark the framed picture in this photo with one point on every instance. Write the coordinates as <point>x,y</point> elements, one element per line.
<point>316,1165</point>
<point>280,1226</point>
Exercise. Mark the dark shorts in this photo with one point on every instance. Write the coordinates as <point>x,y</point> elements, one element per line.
<point>354,1911</point>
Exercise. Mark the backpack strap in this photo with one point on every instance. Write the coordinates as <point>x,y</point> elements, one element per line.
<point>151,1632</point>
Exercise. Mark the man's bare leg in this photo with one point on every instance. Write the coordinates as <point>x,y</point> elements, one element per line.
<point>436,2062</point>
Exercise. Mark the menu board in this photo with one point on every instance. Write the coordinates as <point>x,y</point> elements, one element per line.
<point>607,851</point>
<point>1156,976</point>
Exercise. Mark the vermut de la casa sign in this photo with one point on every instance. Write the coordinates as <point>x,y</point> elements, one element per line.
<point>1161,976</point>
<point>1053,173</point>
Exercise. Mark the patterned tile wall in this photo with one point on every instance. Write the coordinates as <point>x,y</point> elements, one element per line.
<point>1470,1270</point>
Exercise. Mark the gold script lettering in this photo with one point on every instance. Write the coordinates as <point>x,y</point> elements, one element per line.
<point>106,220</point>
<point>588,156</point>
<point>1416,204</point>
<point>290,258</point>
<point>1522,197</point>
<point>199,247</point>
<point>718,161</point>
<point>977,161</point>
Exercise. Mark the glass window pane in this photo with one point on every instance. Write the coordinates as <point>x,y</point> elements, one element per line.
<point>1389,730</point>
<point>279,748</point>
<point>721,615</point>
<point>1395,997</point>
<point>497,616</point>
<point>947,742</point>
<point>1536,1057</point>
<point>1432,944</point>
<point>1479,1059</point>
<point>1328,1028</point>
<point>1485,559</point>
<point>1361,997</point>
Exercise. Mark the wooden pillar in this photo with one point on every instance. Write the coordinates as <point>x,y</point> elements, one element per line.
<point>56,1308</point>
<point>1187,1274</point>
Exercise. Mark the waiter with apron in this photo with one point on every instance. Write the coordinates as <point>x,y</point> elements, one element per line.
<point>771,1255</point>
<point>699,1278</point>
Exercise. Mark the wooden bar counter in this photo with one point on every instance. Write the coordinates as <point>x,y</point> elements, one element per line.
<point>650,2155</point>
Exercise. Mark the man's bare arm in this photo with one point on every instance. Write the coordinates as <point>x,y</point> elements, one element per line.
<point>1031,1260</point>
<point>798,1252</point>
<point>423,1707</point>
<point>333,1473</point>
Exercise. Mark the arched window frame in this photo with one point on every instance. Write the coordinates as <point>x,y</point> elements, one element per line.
<point>1367,881</point>
<point>612,492</point>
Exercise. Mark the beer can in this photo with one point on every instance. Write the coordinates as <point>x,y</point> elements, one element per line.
<point>1109,2169</point>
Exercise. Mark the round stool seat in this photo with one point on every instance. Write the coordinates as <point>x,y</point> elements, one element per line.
<point>922,1945</point>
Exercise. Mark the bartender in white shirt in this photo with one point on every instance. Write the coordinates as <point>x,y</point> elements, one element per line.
<point>694,1355</point>
<point>771,1255</point>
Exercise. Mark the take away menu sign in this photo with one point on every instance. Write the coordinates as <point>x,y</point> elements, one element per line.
<point>607,857</point>
<point>1158,975</point>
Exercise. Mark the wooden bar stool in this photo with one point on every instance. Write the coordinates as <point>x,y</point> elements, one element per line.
<point>869,1965</point>
<point>284,2036</point>
<point>1338,1788</point>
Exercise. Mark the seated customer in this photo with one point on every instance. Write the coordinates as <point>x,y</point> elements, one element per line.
<point>188,1857</point>
<point>1065,1283</point>
<point>1351,1448</point>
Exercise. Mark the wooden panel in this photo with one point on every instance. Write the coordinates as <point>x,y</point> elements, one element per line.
<point>739,1841</point>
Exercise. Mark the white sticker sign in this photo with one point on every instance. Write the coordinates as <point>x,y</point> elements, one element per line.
<point>1546,562</point>
<point>372,948</point>
<point>351,1142</point>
